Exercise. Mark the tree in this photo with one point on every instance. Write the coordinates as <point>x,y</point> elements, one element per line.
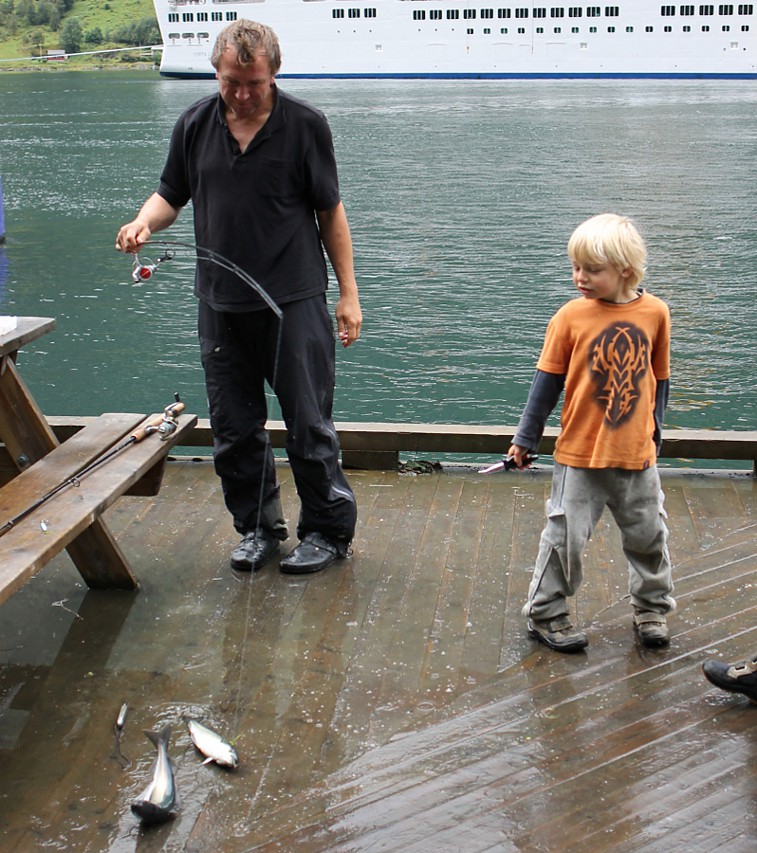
<point>71,35</point>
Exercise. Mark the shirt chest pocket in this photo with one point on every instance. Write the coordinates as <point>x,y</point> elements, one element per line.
<point>277,178</point>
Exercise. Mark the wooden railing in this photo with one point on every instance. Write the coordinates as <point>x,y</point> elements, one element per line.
<point>378,445</point>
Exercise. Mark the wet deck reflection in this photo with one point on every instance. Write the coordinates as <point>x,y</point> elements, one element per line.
<point>393,702</point>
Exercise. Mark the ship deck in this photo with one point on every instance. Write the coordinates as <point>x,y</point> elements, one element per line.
<point>393,702</point>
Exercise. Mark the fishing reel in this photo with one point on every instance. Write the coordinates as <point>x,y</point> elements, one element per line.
<point>141,272</point>
<point>170,424</point>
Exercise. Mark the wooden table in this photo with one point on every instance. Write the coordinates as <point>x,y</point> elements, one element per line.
<point>29,439</point>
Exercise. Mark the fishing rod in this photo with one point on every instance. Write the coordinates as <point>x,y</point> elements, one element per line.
<point>165,425</point>
<point>144,271</point>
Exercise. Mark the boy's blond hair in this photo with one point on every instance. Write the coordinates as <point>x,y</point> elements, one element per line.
<point>610,239</point>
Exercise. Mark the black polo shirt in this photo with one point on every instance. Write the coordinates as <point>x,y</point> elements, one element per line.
<point>256,208</point>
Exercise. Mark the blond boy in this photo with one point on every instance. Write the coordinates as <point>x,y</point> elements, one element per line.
<point>609,350</point>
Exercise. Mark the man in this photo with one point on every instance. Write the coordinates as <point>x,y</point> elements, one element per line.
<point>259,168</point>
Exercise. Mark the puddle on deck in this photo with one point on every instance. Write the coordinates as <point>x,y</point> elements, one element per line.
<point>392,702</point>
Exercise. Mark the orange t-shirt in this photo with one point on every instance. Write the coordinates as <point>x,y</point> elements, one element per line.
<point>612,356</point>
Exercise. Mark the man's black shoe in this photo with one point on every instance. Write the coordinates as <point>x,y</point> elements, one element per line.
<point>737,677</point>
<point>254,551</point>
<point>313,554</point>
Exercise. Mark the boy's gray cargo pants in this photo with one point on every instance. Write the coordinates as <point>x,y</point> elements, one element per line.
<point>579,496</point>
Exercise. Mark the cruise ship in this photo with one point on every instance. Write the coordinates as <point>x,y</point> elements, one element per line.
<point>473,38</point>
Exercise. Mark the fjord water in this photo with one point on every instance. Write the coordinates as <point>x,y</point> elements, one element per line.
<point>461,196</point>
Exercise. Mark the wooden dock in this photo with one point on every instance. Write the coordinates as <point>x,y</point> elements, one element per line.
<point>393,702</point>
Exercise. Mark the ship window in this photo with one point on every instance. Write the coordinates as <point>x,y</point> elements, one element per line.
<point>686,10</point>
<point>667,11</point>
<point>592,29</point>
<point>725,10</point>
<point>540,30</point>
<point>611,29</point>
<point>202,16</point>
<point>216,16</point>
<point>706,10</point>
<point>337,13</point>
<point>503,13</point>
<point>557,12</point>
<point>231,16</point>
<point>504,31</point>
<point>557,30</point>
<point>187,17</point>
<point>355,13</point>
<point>746,10</point>
<point>469,14</point>
<point>521,30</point>
<point>434,14</point>
<point>539,13</point>
<point>521,13</point>
<point>745,28</point>
<point>173,18</point>
<point>612,11</point>
<point>487,31</point>
<point>584,45</point>
<point>575,12</point>
<point>487,13</point>
<point>173,36</point>
<point>371,13</point>
<point>453,14</point>
<point>574,30</point>
<point>629,29</point>
<point>648,29</point>
<point>418,15</point>
<point>469,31</point>
<point>205,36</point>
<point>705,29</point>
<point>188,36</point>
<point>667,29</point>
<point>593,11</point>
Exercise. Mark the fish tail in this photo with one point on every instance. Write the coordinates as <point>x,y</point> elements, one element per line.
<point>161,737</point>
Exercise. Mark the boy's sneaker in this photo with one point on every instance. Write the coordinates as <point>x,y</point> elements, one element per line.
<point>737,677</point>
<point>652,629</point>
<point>558,633</point>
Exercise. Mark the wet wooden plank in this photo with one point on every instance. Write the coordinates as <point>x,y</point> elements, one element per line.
<point>354,730</point>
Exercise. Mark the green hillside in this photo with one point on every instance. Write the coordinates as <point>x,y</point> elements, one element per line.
<point>30,28</point>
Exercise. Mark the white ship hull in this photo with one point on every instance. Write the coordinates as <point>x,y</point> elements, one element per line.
<point>462,38</point>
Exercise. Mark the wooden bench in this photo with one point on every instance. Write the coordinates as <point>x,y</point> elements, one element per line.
<point>71,518</point>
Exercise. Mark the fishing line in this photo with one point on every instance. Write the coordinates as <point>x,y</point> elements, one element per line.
<point>204,254</point>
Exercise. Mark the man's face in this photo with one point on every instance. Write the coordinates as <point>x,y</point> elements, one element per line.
<point>245,89</point>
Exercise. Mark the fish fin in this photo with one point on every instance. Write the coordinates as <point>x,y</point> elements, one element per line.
<point>163,736</point>
<point>207,760</point>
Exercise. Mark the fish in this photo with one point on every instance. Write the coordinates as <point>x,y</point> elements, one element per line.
<point>212,745</point>
<point>159,800</point>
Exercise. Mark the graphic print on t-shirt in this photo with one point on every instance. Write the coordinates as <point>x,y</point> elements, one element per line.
<point>618,359</point>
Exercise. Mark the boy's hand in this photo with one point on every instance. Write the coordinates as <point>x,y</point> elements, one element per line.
<point>520,455</point>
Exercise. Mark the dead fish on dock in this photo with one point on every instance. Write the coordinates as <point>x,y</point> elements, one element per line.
<point>159,800</point>
<point>212,745</point>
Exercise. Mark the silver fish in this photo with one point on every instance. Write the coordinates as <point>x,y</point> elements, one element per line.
<point>159,800</point>
<point>212,745</point>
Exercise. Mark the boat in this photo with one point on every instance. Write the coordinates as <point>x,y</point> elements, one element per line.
<point>473,38</point>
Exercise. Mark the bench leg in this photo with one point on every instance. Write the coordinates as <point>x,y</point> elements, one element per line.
<point>99,559</point>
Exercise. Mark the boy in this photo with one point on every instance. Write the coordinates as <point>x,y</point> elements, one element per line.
<point>610,351</point>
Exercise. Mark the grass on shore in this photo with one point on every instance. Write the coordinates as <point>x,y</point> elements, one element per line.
<point>107,16</point>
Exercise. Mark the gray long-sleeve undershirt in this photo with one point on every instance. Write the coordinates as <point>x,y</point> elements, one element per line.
<point>542,399</point>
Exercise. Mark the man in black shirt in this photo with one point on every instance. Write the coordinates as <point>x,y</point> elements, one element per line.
<point>259,168</point>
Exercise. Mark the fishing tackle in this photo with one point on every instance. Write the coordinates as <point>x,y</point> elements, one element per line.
<point>143,271</point>
<point>508,463</point>
<point>165,425</point>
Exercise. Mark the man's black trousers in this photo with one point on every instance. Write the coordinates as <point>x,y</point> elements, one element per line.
<point>239,356</point>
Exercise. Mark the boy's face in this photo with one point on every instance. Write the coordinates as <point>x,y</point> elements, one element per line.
<point>602,281</point>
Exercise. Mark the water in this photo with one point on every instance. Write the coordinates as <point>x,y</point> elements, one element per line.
<point>461,196</point>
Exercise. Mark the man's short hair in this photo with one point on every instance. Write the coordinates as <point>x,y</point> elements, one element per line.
<point>248,38</point>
